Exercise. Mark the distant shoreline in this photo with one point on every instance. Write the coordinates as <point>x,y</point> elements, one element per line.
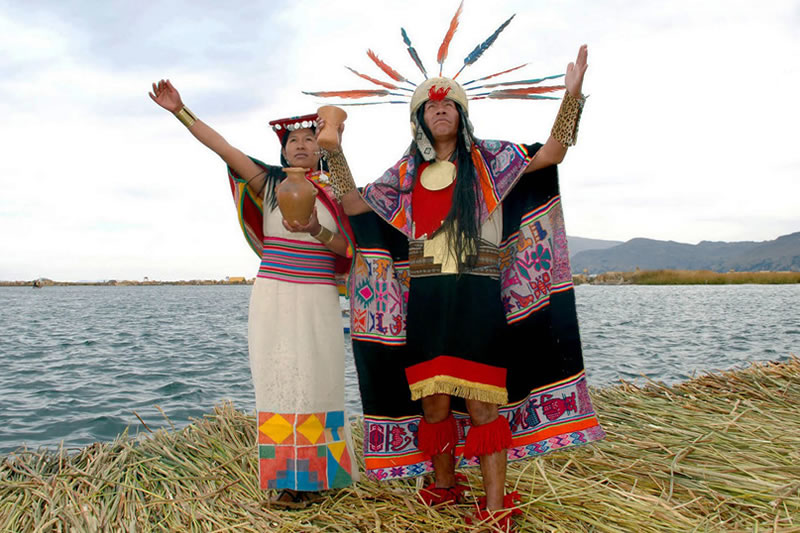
<point>687,277</point>
<point>638,277</point>
<point>123,283</point>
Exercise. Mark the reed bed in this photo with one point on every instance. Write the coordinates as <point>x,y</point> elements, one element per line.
<point>688,277</point>
<point>720,452</point>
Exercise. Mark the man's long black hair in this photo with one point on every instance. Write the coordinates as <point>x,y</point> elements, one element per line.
<point>461,224</point>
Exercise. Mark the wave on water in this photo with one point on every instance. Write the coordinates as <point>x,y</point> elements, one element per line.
<point>80,363</point>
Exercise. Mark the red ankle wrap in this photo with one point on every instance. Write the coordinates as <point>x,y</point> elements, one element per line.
<point>488,438</point>
<point>440,437</point>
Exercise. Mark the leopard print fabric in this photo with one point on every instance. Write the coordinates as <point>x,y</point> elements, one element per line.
<point>565,129</point>
<point>341,178</point>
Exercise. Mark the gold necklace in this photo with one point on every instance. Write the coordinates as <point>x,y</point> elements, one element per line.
<point>438,175</point>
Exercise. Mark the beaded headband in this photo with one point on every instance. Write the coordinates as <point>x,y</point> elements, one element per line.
<point>283,126</point>
<point>529,89</point>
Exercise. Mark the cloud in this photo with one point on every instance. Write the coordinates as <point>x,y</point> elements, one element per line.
<point>688,133</point>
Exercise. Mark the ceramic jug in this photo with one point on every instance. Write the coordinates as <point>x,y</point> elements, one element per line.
<point>296,196</point>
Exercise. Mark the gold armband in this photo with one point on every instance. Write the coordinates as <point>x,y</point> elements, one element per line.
<point>324,235</point>
<point>341,177</point>
<point>186,117</point>
<point>565,128</point>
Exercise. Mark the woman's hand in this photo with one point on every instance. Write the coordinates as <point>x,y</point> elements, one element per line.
<point>575,72</point>
<point>165,95</point>
<point>312,227</point>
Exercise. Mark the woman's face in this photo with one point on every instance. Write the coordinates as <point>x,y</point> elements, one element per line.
<point>301,149</point>
<point>442,119</point>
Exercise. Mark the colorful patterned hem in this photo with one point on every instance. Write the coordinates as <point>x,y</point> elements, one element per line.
<point>297,262</point>
<point>556,417</point>
<point>305,452</point>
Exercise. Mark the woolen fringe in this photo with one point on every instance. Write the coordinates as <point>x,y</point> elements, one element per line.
<point>459,387</point>
<point>437,438</point>
<point>488,438</point>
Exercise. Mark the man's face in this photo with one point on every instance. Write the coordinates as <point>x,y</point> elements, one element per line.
<point>302,149</point>
<point>442,119</point>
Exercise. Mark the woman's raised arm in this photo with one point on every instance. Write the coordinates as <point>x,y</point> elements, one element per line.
<point>165,95</point>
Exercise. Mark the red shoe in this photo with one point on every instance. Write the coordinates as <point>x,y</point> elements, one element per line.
<point>433,495</point>
<point>501,518</point>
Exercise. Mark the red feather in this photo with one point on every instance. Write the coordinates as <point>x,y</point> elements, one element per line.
<point>373,80</point>
<point>350,94</point>
<point>442,55</point>
<point>396,76</point>
<point>527,90</point>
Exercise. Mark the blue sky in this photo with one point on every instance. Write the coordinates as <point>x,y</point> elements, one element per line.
<point>689,133</point>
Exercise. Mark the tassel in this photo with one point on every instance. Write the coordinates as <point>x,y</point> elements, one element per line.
<point>481,48</point>
<point>377,82</point>
<point>495,74</point>
<point>392,73</point>
<point>442,55</point>
<point>352,94</point>
<point>437,438</point>
<point>488,438</point>
<point>413,53</point>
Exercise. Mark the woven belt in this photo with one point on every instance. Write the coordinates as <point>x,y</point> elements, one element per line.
<point>420,265</point>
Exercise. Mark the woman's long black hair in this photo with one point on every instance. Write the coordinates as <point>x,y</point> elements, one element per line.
<point>275,175</point>
<point>461,224</point>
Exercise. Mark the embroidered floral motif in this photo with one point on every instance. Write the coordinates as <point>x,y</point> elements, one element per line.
<point>541,260</point>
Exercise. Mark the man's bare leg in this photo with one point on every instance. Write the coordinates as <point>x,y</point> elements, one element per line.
<point>493,466</point>
<point>436,408</point>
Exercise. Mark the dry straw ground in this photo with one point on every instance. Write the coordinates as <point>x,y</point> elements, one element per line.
<point>718,453</point>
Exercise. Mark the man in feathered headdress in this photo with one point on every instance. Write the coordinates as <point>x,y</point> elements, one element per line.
<point>461,292</point>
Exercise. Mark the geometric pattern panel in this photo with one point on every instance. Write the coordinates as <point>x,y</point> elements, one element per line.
<point>275,428</point>
<point>305,452</point>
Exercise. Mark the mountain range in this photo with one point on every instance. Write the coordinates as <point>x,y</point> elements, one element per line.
<point>597,256</point>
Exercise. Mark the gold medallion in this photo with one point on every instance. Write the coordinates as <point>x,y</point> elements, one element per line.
<point>438,175</point>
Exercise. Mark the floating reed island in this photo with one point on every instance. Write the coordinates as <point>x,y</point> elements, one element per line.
<point>720,452</point>
<point>687,277</point>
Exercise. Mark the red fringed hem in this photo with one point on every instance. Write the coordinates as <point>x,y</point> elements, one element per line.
<point>438,438</point>
<point>488,438</point>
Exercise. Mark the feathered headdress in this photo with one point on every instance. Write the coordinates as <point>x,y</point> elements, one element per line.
<point>477,89</point>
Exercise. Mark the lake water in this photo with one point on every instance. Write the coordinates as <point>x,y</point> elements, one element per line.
<point>78,362</point>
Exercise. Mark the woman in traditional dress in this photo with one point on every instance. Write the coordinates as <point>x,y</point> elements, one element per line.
<point>295,336</point>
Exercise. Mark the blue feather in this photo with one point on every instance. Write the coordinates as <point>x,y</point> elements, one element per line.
<point>405,37</point>
<point>481,48</point>
<point>413,53</point>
